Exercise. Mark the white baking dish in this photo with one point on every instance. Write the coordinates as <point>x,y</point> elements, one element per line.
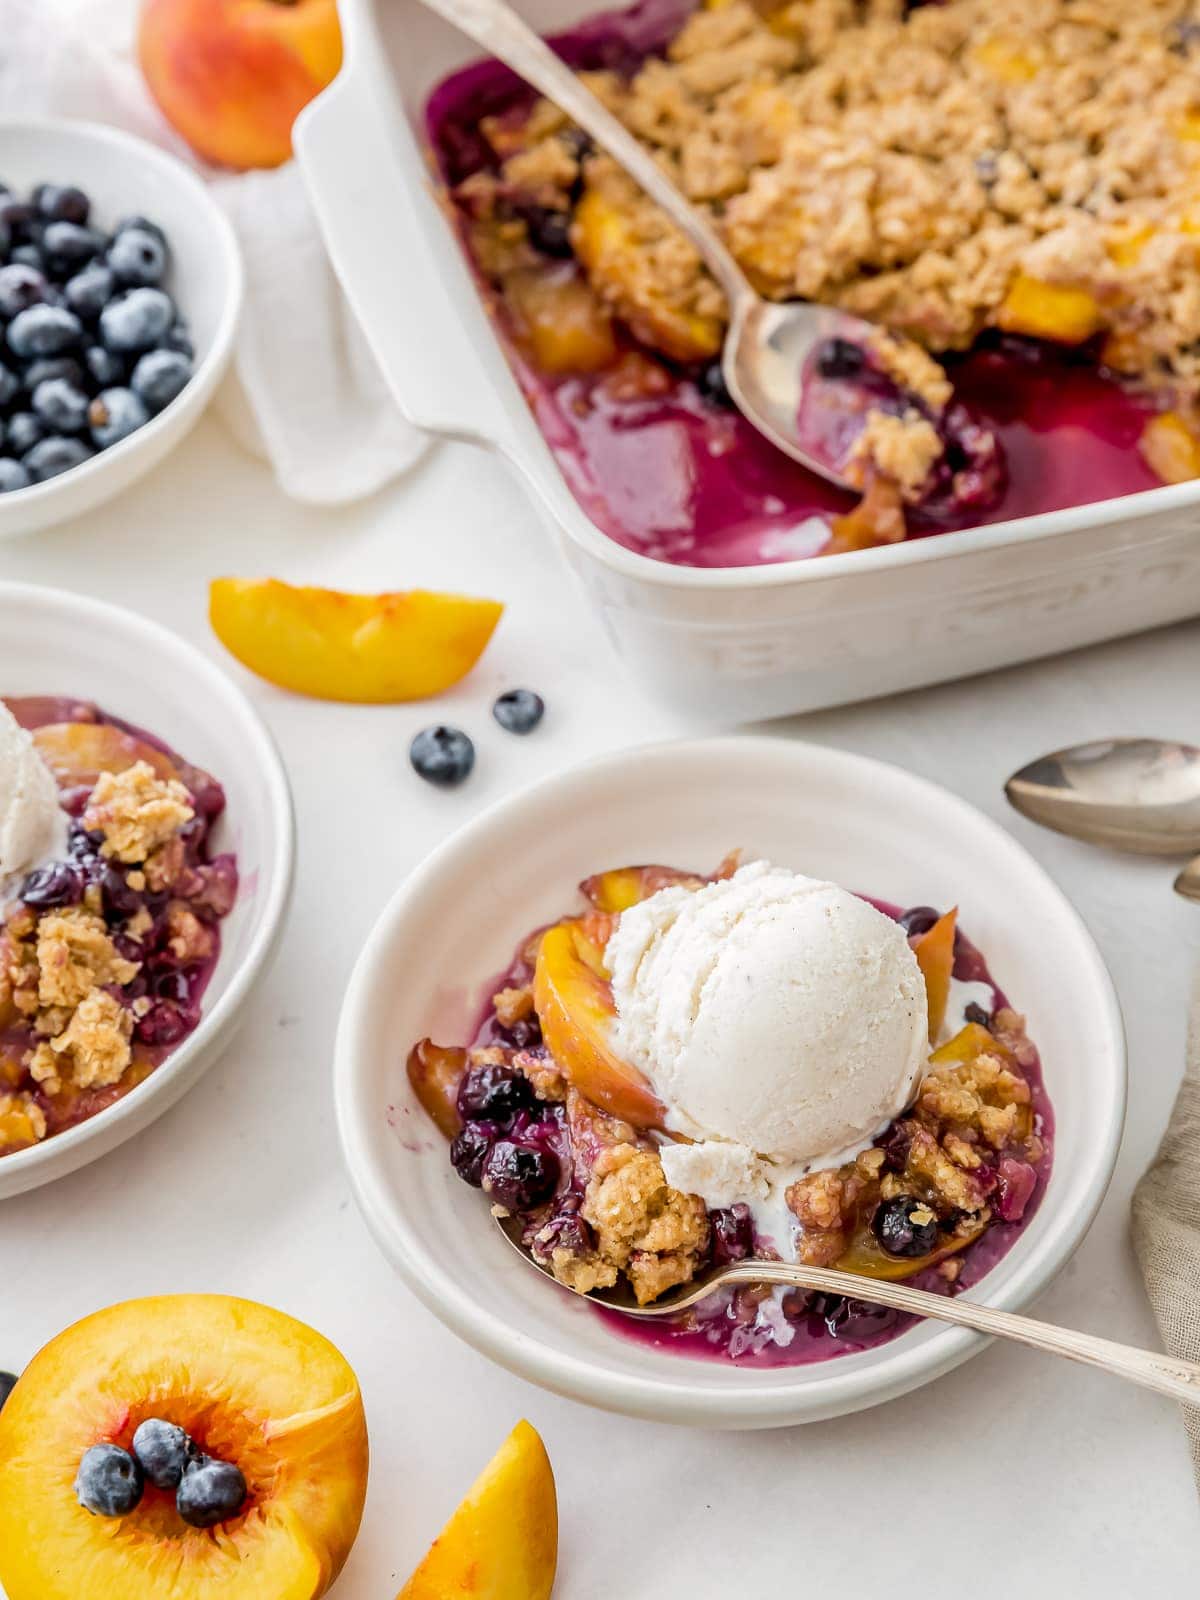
<point>735,642</point>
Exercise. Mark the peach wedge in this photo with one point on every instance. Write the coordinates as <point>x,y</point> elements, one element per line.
<point>502,1542</point>
<point>331,645</point>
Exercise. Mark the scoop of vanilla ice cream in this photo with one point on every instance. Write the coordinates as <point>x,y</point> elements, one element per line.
<point>771,1011</point>
<point>33,826</point>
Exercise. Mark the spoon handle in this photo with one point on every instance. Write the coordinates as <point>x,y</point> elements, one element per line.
<point>1169,1375</point>
<point>504,35</point>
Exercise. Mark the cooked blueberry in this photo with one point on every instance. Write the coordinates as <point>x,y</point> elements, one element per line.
<point>114,414</point>
<point>53,367</point>
<point>175,986</point>
<point>118,898</point>
<point>83,845</point>
<point>10,385</point>
<point>62,405</point>
<point>104,367</point>
<point>13,475</point>
<point>442,755</point>
<point>517,1177</point>
<point>51,456</point>
<point>856,1319</point>
<point>493,1093</point>
<point>165,1024</point>
<point>109,1481</point>
<point>211,1491</point>
<point>20,288</point>
<point>919,919</point>
<point>8,1382</point>
<point>523,1034</point>
<point>549,230</point>
<point>566,1230</point>
<point>67,247</point>
<point>62,202</point>
<point>905,1226</point>
<point>162,1450</point>
<point>469,1150</point>
<point>732,1234</point>
<point>56,885</point>
<point>840,358</point>
<point>136,320</point>
<point>43,330</point>
<point>23,432</point>
<point>137,256</point>
<point>159,376</point>
<point>711,383</point>
<point>976,1013</point>
<point>520,710</point>
<point>89,291</point>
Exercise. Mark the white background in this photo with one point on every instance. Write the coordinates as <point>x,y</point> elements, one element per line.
<point>1015,1475</point>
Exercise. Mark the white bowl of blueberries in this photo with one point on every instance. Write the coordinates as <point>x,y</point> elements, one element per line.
<point>120,287</point>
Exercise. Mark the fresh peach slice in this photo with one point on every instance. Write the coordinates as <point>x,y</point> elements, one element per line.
<point>78,752</point>
<point>575,1006</point>
<point>865,1255</point>
<point>335,646</point>
<point>934,951</point>
<point>435,1072</point>
<point>251,1386</point>
<point>502,1542</point>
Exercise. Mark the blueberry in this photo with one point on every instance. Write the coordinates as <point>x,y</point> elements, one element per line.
<point>857,1319</point>
<point>549,230</point>
<point>104,367</point>
<point>566,1230</point>
<point>468,1151</point>
<point>493,1094</point>
<point>20,288</point>
<point>10,385</point>
<point>137,256</point>
<point>62,203</point>
<point>109,1481</point>
<point>61,405</point>
<point>732,1234</point>
<point>905,1226</point>
<point>114,414</point>
<point>17,215</point>
<point>83,845</point>
<point>13,475</point>
<point>51,456</point>
<point>8,1382</point>
<point>712,386</point>
<point>975,1013</point>
<point>919,919</point>
<point>520,710</point>
<point>67,247</point>
<point>163,1451</point>
<point>143,225</point>
<point>136,320</point>
<point>26,255</point>
<point>179,337</point>
<point>840,358</point>
<point>43,330</point>
<point>59,884</point>
<point>442,755</point>
<point>52,367</point>
<point>517,1177</point>
<point>159,376</point>
<point>24,431</point>
<point>165,1024</point>
<point>211,1491</point>
<point>89,291</point>
<point>118,899</point>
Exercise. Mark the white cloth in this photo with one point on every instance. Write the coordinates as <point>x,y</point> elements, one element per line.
<point>323,415</point>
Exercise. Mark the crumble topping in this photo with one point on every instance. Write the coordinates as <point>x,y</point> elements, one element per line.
<point>902,448</point>
<point>94,1049</point>
<point>136,812</point>
<point>644,1228</point>
<point>75,955</point>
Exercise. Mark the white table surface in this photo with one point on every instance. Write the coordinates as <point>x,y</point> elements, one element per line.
<point>1016,1474</point>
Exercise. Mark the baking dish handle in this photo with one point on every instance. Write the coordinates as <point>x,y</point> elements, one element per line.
<point>373,199</point>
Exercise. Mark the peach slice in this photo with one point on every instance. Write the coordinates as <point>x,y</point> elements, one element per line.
<point>1170,448</point>
<point>575,1005</point>
<point>934,951</point>
<point>502,1542</point>
<point>865,1255</point>
<point>250,1385</point>
<point>971,1041</point>
<point>1049,311</point>
<point>435,1072</point>
<point>621,887</point>
<point>562,319</point>
<point>78,752</point>
<point>334,646</point>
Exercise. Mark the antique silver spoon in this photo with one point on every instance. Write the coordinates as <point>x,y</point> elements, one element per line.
<point>768,360</point>
<point>1177,1379</point>
<point>1140,795</point>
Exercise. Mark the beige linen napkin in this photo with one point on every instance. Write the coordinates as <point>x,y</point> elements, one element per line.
<point>1166,1224</point>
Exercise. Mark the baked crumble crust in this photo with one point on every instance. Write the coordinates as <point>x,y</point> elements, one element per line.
<point>136,811</point>
<point>93,1050</point>
<point>644,1228</point>
<point>75,955</point>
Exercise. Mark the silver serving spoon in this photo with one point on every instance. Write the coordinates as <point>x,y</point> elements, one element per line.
<point>1169,1375</point>
<point>768,357</point>
<point>1140,795</point>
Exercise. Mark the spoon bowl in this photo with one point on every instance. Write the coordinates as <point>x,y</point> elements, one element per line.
<point>1137,795</point>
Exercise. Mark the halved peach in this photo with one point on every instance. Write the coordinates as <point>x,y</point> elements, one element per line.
<point>502,1542</point>
<point>78,752</point>
<point>575,1006</point>
<point>335,646</point>
<point>934,951</point>
<point>250,1385</point>
<point>1057,311</point>
<point>435,1072</point>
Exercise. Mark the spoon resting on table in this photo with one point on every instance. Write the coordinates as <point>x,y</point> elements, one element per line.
<point>1167,1375</point>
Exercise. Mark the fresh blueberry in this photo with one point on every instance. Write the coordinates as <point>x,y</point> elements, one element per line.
<point>109,1481</point>
<point>62,405</point>
<point>919,919</point>
<point>13,475</point>
<point>104,367</point>
<point>10,385</point>
<point>159,376</point>
<point>23,432</point>
<point>17,215</point>
<point>840,358</point>
<point>59,884</point>
<point>142,225</point>
<point>493,1094</point>
<point>62,203</point>
<point>442,755</point>
<point>179,337</point>
<point>89,291</point>
<point>20,288</point>
<point>469,1150</point>
<point>67,247</point>
<point>732,1234</point>
<point>43,330</point>
<point>26,255</point>
<point>520,710</point>
<point>137,256</point>
<point>211,1491</point>
<point>517,1177</point>
<point>136,320</point>
<point>114,414</point>
<point>52,367</point>
<point>712,386</point>
<point>8,1382</point>
<point>51,456</point>
<point>905,1226</point>
<point>162,1450</point>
